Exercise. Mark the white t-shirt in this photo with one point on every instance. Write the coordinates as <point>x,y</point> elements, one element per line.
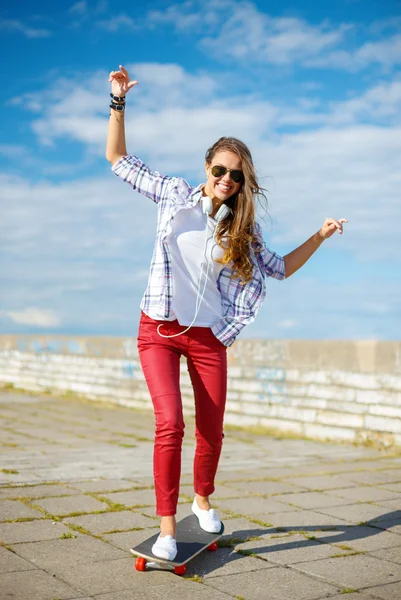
<point>190,269</point>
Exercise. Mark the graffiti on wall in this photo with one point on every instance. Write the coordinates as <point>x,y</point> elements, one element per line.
<point>273,384</point>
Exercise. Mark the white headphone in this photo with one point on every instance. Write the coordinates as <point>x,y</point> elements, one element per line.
<point>207,209</point>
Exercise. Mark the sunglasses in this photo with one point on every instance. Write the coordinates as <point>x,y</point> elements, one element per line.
<point>235,174</point>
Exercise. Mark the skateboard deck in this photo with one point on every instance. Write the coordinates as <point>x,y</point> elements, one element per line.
<point>191,541</point>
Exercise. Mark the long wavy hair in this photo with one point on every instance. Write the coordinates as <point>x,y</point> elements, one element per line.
<point>236,233</point>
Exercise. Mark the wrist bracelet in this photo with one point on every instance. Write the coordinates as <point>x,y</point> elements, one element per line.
<point>117,107</point>
<point>117,98</point>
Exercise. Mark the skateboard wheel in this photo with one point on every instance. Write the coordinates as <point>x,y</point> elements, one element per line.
<point>181,570</point>
<point>140,564</point>
<point>213,547</point>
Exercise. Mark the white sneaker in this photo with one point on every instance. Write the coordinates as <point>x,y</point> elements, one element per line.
<point>165,547</point>
<point>208,520</point>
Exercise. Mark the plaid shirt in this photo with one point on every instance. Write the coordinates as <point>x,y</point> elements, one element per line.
<point>240,302</point>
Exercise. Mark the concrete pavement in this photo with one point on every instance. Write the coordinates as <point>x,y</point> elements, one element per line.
<point>304,520</point>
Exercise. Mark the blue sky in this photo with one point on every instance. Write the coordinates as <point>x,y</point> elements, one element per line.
<point>313,89</point>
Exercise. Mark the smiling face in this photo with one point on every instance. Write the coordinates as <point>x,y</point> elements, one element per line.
<point>223,187</point>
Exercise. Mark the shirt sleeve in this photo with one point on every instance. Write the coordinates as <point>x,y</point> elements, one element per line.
<point>271,263</point>
<point>151,184</point>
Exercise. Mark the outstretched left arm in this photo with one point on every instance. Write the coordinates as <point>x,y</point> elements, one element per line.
<point>298,257</point>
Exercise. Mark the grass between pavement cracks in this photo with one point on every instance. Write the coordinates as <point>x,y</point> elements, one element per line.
<point>226,542</point>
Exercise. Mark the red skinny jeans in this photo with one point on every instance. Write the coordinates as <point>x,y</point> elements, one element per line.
<point>207,365</point>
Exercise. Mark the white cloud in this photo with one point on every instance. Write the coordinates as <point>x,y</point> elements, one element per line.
<point>250,34</point>
<point>79,8</point>
<point>16,26</point>
<point>287,323</point>
<point>240,30</point>
<point>386,53</point>
<point>34,316</point>
<point>116,23</point>
<point>83,13</point>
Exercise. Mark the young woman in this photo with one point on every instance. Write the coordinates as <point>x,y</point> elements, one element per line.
<point>206,283</point>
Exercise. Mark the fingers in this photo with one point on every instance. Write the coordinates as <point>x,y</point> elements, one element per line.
<point>334,224</point>
<point>116,75</point>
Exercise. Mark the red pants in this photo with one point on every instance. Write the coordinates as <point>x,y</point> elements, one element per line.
<point>207,366</point>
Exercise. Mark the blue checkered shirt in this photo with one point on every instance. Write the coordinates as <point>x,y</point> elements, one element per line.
<point>240,302</point>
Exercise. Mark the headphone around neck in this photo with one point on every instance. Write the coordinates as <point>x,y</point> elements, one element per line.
<point>207,209</point>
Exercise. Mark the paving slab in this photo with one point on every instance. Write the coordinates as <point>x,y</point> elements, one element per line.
<point>394,504</point>
<point>394,487</point>
<point>355,596</point>
<point>133,498</point>
<point>31,531</point>
<point>289,550</point>
<point>389,554</point>
<point>36,585</point>
<point>322,482</point>
<point>226,561</point>
<point>70,504</point>
<point>253,506</point>
<point>181,589</point>
<point>243,528</point>
<point>82,548</point>
<point>275,584</point>
<point>101,485</point>
<point>368,538</point>
<point>356,571</point>
<point>265,488</point>
<point>36,491</point>
<point>391,591</point>
<point>108,576</point>
<point>311,500</point>
<point>111,521</point>
<point>306,520</point>
<point>378,477</point>
<point>222,491</point>
<point>357,513</point>
<point>13,509</point>
<point>364,493</point>
<point>11,562</point>
<point>392,524</point>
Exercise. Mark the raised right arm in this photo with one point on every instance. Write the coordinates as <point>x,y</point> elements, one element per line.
<point>120,86</point>
<point>115,147</point>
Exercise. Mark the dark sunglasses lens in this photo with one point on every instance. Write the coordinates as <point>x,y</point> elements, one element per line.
<point>237,176</point>
<point>218,171</point>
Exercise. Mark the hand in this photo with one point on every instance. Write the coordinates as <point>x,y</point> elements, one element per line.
<point>330,226</point>
<point>120,82</point>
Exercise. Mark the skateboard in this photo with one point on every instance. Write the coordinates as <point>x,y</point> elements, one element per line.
<point>191,541</point>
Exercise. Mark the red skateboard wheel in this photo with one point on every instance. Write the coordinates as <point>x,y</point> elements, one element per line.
<point>180,570</point>
<point>213,547</point>
<point>140,564</point>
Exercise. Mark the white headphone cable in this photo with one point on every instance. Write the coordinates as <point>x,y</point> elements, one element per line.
<point>198,300</point>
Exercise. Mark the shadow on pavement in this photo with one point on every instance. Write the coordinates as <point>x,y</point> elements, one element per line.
<point>344,534</point>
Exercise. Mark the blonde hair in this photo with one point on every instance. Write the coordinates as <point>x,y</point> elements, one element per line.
<point>239,226</point>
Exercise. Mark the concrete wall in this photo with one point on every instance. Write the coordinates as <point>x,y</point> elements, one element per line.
<point>322,389</point>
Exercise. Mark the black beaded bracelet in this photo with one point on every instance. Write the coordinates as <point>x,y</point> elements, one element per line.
<point>117,98</point>
<point>117,107</point>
